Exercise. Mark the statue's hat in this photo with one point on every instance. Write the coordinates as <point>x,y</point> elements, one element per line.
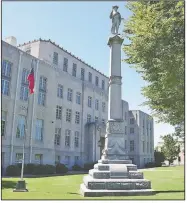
<point>115,7</point>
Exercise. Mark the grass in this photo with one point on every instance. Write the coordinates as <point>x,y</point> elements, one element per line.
<point>167,181</point>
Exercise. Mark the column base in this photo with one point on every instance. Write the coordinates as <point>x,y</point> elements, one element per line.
<point>20,186</point>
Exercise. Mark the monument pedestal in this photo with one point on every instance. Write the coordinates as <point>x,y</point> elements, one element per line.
<point>114,174</point>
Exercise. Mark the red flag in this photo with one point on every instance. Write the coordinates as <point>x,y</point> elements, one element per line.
<point>30,78</point>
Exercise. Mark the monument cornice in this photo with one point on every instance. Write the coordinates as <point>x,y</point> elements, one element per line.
<point>116,39</point>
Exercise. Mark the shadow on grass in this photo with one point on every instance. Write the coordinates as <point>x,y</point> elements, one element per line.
<point>168,191</point>
<point>6,184</point>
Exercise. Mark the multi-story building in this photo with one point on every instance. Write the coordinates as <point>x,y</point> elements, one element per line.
<point>64,120</point>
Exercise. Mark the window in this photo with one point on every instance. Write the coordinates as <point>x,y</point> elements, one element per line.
<point>57,159</point>
<point>41,98</point>
<point>42,90</point>
<point>131,130</point>
<point>76,139</point>
<point>67,138</point>
<point>24,93</point>
<point>76,159</point>
<point>39,129</point>
<point>20,132</point>
<point>88,118</point>
<point>43,83</point>
<point>6,69</point>
<point>3,123</point>
<point>25,74</point>
<point>68,115</point>
<point>147,147</point>
<point>143,143</point>
<point>103,84</point>
<point>77,117</point>
<point>96,104</point>
<point>89,77</point>
<point>103,106</point>
<point>125,144</point>
<point>60,91</point>
<point>131,145</point>
<point>65,65</point>
<point>78,98</point>
<point>67,160</point>
<point>74,70</point>
<point>55,58</point>
<point>132,121</point>
<point>125,130</point>
<point>82,73</point>
<point>39,158</point>
<point>96,81</point>
<point>19,157</point>
<point>57,136</point>
<point>70,93</point>
<point>58,112</point>
<point>6,77</point>
<point>5,87</point>
<point>96,119</point>
<point>89,102</point>
<point>103,121</point>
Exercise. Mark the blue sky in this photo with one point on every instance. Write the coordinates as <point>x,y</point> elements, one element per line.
<point>83,29</point>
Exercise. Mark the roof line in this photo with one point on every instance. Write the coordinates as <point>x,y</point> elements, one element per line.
<point>42,40</point>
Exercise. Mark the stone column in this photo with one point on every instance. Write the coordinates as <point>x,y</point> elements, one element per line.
<point>115,129</point>
<point>114,104</point>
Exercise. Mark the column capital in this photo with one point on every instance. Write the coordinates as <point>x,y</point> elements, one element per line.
<point>116,39</point>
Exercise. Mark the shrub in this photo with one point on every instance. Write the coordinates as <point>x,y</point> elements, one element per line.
<point>39,170</point>
<point>61,168</point>
<point>50,169</point>
<point>13,170</point>
<point>29,168</point>
<point>76,168</point>
<point>88,166</point>
<point>150,165</point>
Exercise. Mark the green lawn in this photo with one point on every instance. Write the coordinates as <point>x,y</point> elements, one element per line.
<point>167,181</point>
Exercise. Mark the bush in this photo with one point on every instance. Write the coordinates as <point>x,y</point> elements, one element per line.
<point>39,170</point>
<point>61,168</point>
<point>29,168</point>
<point>76,168</point>
<point>13,170</point>
<point>88,166</point>
<point>150,165</point>
<point>50,169</point>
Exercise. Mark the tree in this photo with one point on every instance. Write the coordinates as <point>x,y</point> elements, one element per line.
<point>159,158</point>
<point>170,148</point>
<point>155,32</point>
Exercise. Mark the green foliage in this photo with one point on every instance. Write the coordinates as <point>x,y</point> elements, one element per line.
<point>88,166</point>
<point>150,165</point>
<point>13,170</point>
<point>29,168</point>
<point>61,168</point>
<point>156,35</point>
<point>76,168</point>
<point>170,148</point>
<point>159,158</point>
<point>39,169</point>
<point>50,169</point>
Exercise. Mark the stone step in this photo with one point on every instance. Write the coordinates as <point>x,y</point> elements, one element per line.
<point>115,161</point>
<point>108,174</point>
<point>99,193</point>
<point>135,175</point>
<point>106,167</point>
<point>116,184</point>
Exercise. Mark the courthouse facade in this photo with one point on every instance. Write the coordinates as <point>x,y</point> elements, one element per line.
<point>64,120</point>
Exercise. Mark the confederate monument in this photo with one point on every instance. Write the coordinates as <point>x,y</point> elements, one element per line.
<point>115,174</point>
